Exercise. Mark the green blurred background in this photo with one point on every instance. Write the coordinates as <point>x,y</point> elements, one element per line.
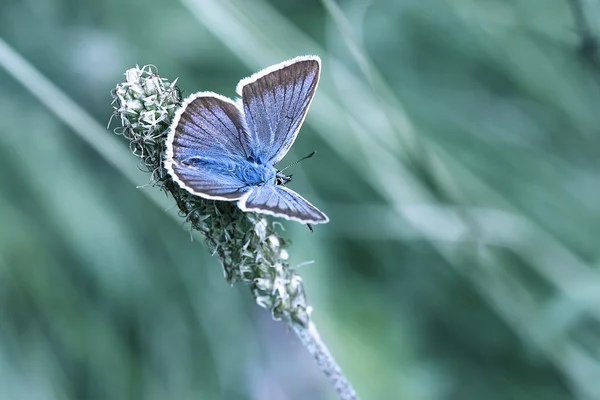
<point>458,159</point>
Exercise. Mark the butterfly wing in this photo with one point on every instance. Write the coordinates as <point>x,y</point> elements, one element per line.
<point>281,202</point>
<point>275,102</point>
<point>206,140</point>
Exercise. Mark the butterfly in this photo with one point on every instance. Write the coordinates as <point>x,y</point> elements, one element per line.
<point>222,149</point>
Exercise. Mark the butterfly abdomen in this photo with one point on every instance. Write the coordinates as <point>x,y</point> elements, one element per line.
<point>249,172</point>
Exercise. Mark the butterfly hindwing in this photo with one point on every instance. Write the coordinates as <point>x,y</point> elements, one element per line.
<point>208,179</point>
<point>275,102</point>
<point>281,202</point>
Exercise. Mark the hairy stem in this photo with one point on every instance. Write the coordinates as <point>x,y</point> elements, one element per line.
<point>310,338</point>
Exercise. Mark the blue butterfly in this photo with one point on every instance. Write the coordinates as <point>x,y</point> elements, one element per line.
<point>222,149</point>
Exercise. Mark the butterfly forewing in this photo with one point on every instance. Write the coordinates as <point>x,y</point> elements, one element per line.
<point>275,102</point>
<point>281,202</point>
<point>206,140</point>
<point>209,125</point>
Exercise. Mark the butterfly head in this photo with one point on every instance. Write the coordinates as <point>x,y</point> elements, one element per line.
<point>282,179</point>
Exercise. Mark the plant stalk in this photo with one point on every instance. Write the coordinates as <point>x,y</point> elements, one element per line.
<point>310,338</point>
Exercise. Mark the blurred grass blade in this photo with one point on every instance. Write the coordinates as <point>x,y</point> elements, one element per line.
<point>76,118</point>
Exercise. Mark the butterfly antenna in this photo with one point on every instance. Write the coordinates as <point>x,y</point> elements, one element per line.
<point>296,162</point>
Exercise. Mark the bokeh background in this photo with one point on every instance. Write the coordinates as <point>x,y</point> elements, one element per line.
<point>458,159</point>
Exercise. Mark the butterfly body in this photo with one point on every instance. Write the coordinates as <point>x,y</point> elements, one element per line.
<point>222,149</point>
<point>253,173</point>
<point>249,172</point>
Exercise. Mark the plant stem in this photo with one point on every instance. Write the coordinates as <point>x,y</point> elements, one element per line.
<point>310,338</point>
